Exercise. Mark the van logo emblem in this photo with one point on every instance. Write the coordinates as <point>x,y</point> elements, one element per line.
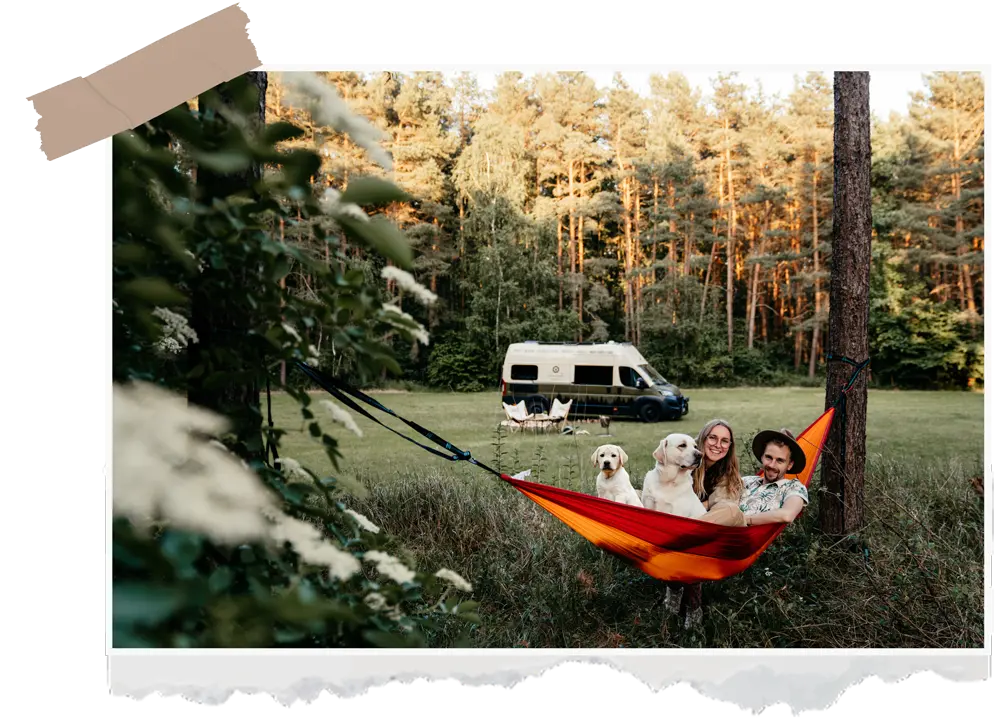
<point>555,368</point>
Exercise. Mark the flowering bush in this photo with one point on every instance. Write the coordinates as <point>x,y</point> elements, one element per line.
<point>213,545</point>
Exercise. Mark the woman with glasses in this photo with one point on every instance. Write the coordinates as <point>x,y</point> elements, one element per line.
<point>717,480</point>
<point>718,483</point>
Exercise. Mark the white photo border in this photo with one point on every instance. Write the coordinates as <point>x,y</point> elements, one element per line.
<point>748,680</point>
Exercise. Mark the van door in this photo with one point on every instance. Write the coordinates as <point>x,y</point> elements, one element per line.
<point>633,386</point>
<point>596,392</point>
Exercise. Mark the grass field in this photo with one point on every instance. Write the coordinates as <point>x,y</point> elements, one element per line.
<point>541,585</point>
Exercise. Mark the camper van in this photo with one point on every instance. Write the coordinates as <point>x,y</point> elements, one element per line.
<point>609,378</point>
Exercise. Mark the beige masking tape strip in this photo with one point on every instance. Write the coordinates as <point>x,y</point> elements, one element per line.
<point>145,84</point>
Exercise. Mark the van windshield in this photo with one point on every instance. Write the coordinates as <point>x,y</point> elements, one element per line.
<point>653,375</point>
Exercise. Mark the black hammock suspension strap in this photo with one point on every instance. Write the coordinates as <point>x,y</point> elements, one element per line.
<point>341,390</point>
<point>271,450</point>
<point>842,401</point>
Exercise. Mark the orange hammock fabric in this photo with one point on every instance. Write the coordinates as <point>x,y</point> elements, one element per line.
<point>670,547</point>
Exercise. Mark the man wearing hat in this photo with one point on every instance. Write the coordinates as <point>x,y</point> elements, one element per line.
<point>774,498</point>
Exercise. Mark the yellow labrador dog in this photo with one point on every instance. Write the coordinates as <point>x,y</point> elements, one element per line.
<point>613,482</point>
<point>668,487</point>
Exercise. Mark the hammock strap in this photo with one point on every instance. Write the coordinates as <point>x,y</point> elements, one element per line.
<point>842,401</point>
<point>341,390</point>
<point>271,450</point>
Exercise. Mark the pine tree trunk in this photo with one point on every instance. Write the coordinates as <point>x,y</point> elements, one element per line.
<point>579,252</point>
<point>730,249</point>
<point>671,192</point>
<point>559,261</point>
<point>842,502</point>
<point>687,246</point>
<point>218,325</point>
<point>639,278</point>
<point>817,296</point>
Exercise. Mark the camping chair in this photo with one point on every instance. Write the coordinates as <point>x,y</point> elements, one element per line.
<point>559,414</point>
<point>517,415</point>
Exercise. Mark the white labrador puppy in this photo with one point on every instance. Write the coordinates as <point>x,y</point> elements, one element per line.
<point>668,487</point>
<point>613,482</point>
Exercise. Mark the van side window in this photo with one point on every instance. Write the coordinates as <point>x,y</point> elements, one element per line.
<point>628,377</point>
<point>593,374</point>
<point>523,372</point>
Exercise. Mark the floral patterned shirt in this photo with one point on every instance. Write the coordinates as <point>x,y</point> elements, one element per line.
<point>760,497</point>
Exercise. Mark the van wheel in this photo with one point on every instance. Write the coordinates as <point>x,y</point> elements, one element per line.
<point>536,405</point>
<point>649,413</point>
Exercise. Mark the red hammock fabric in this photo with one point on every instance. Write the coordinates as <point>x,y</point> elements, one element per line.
<point>669,547</point>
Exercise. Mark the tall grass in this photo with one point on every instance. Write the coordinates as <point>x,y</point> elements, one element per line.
<point>913,578</point>
<point>916,580</point>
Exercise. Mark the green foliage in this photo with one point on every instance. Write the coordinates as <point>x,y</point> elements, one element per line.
<point>459,365</point>
<point>184,254</point>
<point>916,342</point>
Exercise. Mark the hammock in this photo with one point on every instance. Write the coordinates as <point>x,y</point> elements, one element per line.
<point>670,547</point>
<point>666,547</point>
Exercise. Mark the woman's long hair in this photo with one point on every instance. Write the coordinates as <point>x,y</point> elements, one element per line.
<point>724,473</point>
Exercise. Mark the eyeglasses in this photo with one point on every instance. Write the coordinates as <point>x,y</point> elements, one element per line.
<point>713,440</point>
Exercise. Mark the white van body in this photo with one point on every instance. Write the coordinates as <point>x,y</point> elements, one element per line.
<point>609,378</point>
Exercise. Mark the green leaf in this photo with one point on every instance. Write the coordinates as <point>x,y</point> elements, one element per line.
<point>371,190</point>
<point>125,638</point>
<point>300,165</point>
<point>155,291</point>
<point>296,493</point>
<point>181,548</point>
<point>180,122</point>
<point>288,636</point>
<point>129,145</point>
<point>383,237</point>
<point>129,254</point>
<point>347,484</point>
<point>281,131</point>
<point>292,609</point>
<point>224,162</point>
<point>383,639</point>
<point>281,268</point>
<point>220,579</point>
<point>144,603</point>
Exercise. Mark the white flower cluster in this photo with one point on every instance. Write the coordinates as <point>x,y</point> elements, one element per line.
<point>177,334</point>
<point>364,522</point>
<point>312,355</point>
<point>390,566</point>
<point>293,470</point>
<point>162,472</point>
<point>409,283</point>
<point>331,204</point>
<point>452,577</point>
<point>420,333</point>
<point>201,263</point>
<point>311,93</point>
<point>341,416</point>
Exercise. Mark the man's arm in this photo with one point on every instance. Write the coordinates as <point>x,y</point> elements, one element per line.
<point>785,514</point>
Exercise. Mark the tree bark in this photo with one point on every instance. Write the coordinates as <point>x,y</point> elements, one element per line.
<point>842,503</point>
<point>730,247</point>
<point>218,324</point>
<point>817,294</point>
